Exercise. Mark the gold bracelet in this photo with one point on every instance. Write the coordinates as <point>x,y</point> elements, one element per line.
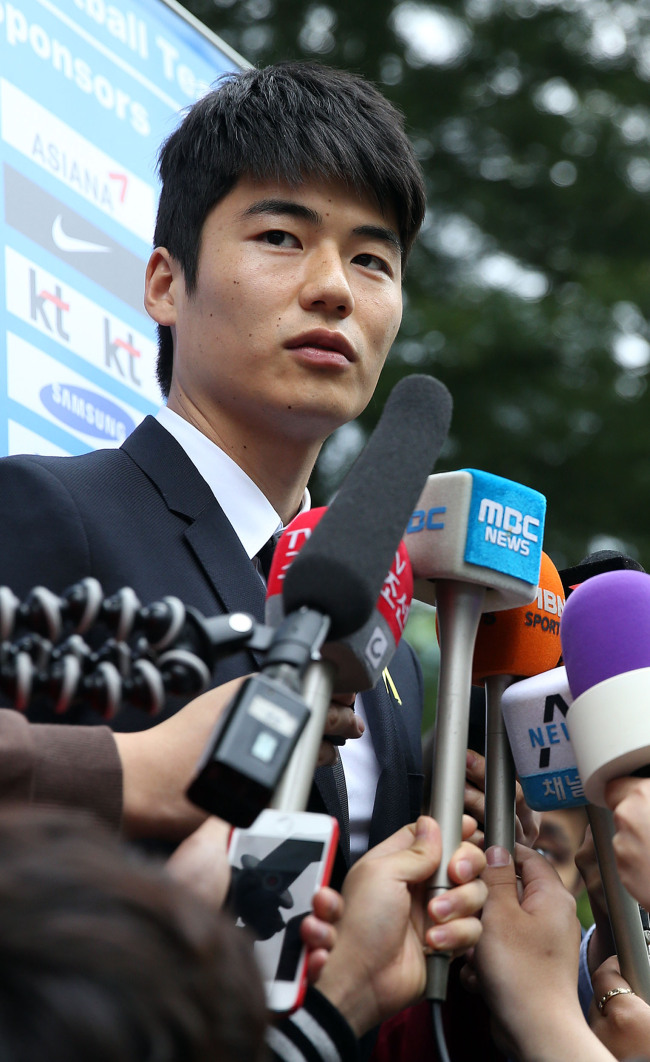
<point>610,995</point>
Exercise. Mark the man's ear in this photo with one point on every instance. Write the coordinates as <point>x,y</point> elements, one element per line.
<point>159,287</point>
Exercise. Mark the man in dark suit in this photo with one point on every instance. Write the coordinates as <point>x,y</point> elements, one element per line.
<point>290,200</point>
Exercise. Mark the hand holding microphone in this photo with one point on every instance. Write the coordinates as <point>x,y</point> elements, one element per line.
<point>549,740</point>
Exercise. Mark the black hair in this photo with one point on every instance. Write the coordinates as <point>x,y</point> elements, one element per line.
<point>104,957</point>
<point>287,122</point>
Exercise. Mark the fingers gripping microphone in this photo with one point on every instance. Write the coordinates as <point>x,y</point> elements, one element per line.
<point>536,711</point>
<point>474,541</point>
<point>512,644</point>
<point>330,589</point>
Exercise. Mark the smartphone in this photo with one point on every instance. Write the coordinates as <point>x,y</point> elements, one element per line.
<point>277,864</point>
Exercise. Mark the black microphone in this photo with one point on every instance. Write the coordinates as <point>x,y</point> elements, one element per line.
<point>603,560</point>
<point>341,569</point>
<point>329,591</point>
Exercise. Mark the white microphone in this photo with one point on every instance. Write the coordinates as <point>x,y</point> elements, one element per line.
<point>536,712</point>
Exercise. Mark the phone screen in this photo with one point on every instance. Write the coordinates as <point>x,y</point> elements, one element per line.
<point>273,882</point>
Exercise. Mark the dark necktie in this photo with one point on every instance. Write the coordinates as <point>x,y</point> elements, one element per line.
<point>265,555</point>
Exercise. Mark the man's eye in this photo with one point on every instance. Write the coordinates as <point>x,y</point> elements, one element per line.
<point>279,238</point>
<point>373,261</point>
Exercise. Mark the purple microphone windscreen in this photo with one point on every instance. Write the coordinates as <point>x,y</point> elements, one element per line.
<point>605,628</point>
<point>341,569</point>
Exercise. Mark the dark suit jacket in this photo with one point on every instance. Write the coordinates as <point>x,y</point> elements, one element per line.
<point>142,516</point>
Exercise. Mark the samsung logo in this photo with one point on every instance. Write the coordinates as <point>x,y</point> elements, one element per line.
<point>87,412</point>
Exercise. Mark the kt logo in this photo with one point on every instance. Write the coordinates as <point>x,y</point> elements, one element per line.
<point>116,349</point>
<point>43,305</point>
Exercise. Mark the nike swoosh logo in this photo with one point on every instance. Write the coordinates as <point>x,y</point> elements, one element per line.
<point>71,243</point>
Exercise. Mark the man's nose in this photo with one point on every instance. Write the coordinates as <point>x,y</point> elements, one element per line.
<point>326,285</point>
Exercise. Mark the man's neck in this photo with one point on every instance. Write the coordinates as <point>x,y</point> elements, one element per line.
<point>278,465</point>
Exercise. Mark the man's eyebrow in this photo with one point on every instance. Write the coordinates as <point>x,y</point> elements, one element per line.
<point>290,208</point>
<point>380,232</point>
<point>283,206</point>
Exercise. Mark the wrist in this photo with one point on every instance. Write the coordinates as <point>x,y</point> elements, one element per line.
<point>348,990</point>
<point>154,801</point>
<point>558,1034</point>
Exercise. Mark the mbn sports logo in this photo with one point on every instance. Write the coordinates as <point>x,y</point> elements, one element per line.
<point>508,527</point>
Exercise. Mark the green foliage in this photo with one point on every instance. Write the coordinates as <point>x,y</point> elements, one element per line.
<point>529,291</point>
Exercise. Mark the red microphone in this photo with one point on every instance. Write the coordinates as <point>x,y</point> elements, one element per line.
<point>361,657</point>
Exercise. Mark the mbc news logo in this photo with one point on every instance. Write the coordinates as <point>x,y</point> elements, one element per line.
<point>508,527</point>
<point>504,526</point>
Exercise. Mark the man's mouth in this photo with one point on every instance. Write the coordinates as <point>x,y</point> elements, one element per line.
<point>329,342</point>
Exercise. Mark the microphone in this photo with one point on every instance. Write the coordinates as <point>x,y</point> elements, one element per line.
<point>603,560</point>
<point>477,528</point>
<point>341,569</point>
<point>475,545</point>
<point>330,589</point>
<point>350,664</point>
<point>606,648</point>
<point>359,658</point>
<point>536,711</point>
<point>509,645</point>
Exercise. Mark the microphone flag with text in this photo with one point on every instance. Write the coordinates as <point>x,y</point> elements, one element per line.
<point>359,658</point>
<point>329,591</point>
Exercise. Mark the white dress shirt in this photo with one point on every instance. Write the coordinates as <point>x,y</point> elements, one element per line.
<point>254,521</point>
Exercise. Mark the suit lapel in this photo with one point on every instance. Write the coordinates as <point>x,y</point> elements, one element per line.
<point>392,805</point>
<point>209,534</point>
<point>325,798</point>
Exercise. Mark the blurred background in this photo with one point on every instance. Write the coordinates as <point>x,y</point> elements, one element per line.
<point>528,293</point>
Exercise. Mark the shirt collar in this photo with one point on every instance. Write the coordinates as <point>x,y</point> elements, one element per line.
<point>251,514</point>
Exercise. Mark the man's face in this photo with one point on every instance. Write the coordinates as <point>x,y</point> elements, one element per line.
<point>297,303</point>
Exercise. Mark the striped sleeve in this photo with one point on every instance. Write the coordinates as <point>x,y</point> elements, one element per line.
<point>316,1032</point>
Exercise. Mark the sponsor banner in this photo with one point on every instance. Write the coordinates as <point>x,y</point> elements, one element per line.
<point>89,89</point>
<point>66,234</point>
<point>60,312</point>
<point>24,441</point>
<point>52,144</point>
<point>505,527</point>
<point>65,398</point>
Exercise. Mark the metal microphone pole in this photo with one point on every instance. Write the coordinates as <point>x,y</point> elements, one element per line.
<point>623,910</point>
<point>499,769</point>
<point>459,607</point>
<point>292,793</point>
